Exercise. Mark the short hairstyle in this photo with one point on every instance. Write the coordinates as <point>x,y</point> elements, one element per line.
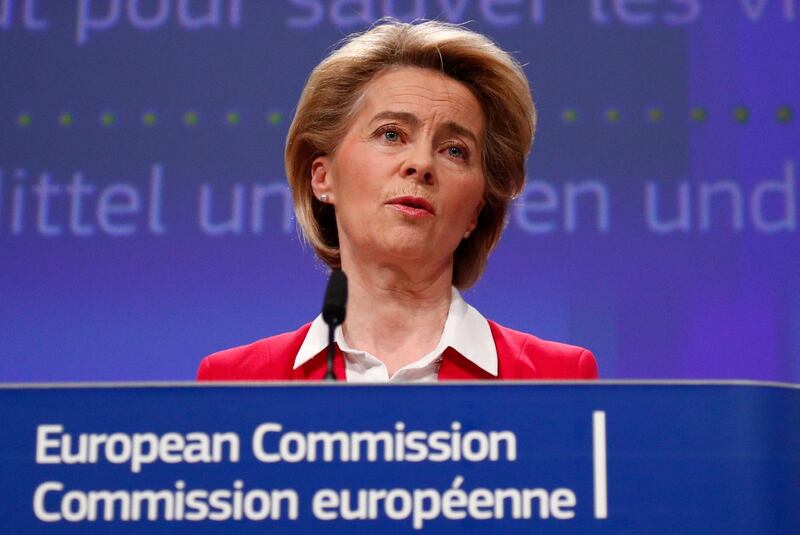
<point>333,91</point>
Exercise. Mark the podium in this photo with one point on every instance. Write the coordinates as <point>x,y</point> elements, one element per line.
<point>591,457</point>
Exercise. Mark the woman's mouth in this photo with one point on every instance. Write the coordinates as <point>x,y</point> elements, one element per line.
<point>413,206</point>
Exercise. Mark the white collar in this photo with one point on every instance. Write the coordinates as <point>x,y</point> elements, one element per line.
<point>465,330</point>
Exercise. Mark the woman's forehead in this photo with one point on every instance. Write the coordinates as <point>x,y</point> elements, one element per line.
<point>421,95</point>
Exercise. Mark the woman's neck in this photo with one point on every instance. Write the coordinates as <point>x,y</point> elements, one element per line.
<point>394,315</point>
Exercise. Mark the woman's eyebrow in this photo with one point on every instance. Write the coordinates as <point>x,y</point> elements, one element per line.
<point>455,128</point>
<point>402,116</point>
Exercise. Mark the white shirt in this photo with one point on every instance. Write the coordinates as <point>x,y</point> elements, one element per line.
<point>465,330</point>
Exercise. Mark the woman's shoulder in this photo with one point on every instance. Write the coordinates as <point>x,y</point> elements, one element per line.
<point>270,358</point>
<point>525,356</point>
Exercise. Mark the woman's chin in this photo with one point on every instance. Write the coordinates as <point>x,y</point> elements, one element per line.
<point>404,244</point>
<point>420,249</point>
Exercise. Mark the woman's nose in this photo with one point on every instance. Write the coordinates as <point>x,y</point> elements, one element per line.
<point>419,166</point>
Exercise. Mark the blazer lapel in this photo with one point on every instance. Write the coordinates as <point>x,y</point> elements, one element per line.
<point>314,369</point>
<point>456,367</point>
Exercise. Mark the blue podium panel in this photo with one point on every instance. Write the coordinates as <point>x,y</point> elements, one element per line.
<point>475,458</point>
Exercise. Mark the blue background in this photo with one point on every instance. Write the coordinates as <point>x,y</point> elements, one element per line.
<point>629,94</point>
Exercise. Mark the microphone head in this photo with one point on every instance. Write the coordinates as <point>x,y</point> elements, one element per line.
<point>334,306</point>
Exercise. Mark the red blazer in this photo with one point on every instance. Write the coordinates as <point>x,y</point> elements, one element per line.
<point>519,355</point>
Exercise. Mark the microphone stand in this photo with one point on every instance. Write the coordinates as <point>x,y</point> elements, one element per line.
<point>334,309</point>
<point>329,375</point>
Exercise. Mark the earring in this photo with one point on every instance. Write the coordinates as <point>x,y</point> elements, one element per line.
<point>324,197</point>
<point>466,235</point>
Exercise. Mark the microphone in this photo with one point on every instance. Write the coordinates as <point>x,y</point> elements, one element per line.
<point>334,309</point>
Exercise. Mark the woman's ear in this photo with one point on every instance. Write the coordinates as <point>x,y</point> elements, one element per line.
<point>321,179</point>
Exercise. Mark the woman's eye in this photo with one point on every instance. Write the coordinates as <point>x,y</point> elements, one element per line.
<point>454,151</point>
<point>389,133</point>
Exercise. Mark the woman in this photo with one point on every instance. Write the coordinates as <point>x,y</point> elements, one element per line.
<point>407,145</point>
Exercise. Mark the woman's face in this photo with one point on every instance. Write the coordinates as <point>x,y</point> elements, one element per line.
<point>407,180</point>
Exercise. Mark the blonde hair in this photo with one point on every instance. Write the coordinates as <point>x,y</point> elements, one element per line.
<point>335,86</point>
